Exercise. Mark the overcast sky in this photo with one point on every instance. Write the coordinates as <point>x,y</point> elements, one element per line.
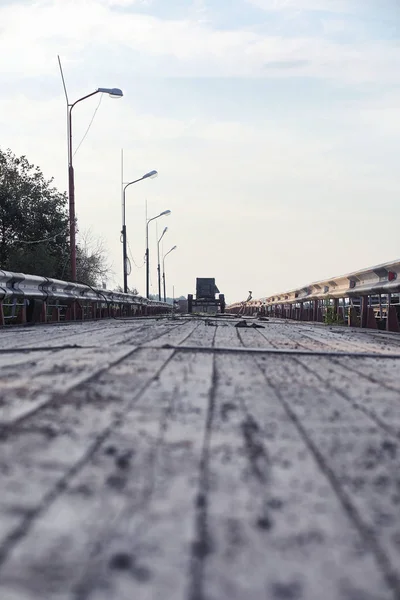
<point>274,126</point>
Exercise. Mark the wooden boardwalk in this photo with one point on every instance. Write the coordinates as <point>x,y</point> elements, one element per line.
<point>189,459</point>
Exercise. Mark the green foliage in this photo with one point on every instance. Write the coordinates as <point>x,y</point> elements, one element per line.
<point>330,317</point>
<point>133,291</point>
<point>34,227</point>
<point>33,220</point>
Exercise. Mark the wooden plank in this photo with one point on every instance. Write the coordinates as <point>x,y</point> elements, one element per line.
<point>372,397</point>
<point>361,460</point>
<point>280,336</point>
<point>23,391</point>
<point>39,457</point>
<point>262,501</point>
<point>32,336</point>
<point>203,335</point>
<point>177,335</point>
<point>345,339</point>
<point>198,476</point>
<point>274,526</point>
<point>158,535</point>
<point>110,332</point>
<point>12,359</point>
<point>227,336</point>
<point>44,376</point>
<point>142,510</point>
<point>384,373</point>
<point>289,336</point>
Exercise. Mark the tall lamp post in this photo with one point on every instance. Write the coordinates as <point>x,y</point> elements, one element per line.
<point>163,270</point>
<point>149,175</point>
<point>158,263</point>
<point>165,213</point>
<point>113,93</point>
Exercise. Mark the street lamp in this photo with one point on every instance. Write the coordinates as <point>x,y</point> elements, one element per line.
<point>149,175</point>
<point>165,213</point>
<point>163,269</point>
<point>113,93</point>
<point>158,263</point>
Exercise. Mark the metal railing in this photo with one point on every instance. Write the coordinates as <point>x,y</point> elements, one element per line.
<point>30,298</point>
<point>366,298</point>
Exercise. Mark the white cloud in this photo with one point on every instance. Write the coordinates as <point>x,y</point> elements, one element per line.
<point>335,6</point>
<point>34,35</point>
<point>126,3</point>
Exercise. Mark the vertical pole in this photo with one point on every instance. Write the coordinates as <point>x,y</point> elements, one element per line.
<point>147,263</point>
<point>147,251</point>
<point>71,194</point>
<point>163,276</point>
<point>124,254</point>
<point>159,271</point>
<point>125,258</point>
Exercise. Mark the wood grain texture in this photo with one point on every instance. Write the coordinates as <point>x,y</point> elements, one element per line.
<point>135,466</point>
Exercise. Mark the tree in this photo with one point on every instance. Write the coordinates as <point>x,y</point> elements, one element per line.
<point>34,227</point>
<point>92,266</point>
<point>120,289</point>
<point>34,233</point>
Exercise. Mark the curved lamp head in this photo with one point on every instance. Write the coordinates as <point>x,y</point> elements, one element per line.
<point>150,175</point>
<point>173,248</point>
<point>165,213</point>
<point>163,233</point>
<point>112,92</point>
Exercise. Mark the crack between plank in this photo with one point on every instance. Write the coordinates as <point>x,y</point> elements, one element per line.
<point>350,368</point>
<point>84,587</point>
<point>370,378</point>
<point>8,428</point>
<point>390,575</point>
<point>370,414</point>
<point>19,532</point>
<point>202,544</point>
<point>188,335</point>
<point>388,572</point>
<point>278,351</point>
<point>28,349</point>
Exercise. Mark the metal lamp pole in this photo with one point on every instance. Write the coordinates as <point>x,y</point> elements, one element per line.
<point>158,263</point>
<point>163,268</point>
<point>149,175</point>
<point>114,93</point>
<point>165,213</point>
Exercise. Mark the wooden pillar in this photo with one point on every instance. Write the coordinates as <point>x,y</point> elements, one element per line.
<point>368,319</point>
<point>21,312</point>
<point>364,311</point>
<point>55,314</point>
<point>392,321</point>
<point>371,320</point>
<point>315,310</point>
<point>352,316</point>
<point>43,316</point>
<point>335,307</point>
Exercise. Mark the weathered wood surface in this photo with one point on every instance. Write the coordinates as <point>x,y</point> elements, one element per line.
<point>194,460</point>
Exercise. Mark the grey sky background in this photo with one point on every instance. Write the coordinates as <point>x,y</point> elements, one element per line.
<point>274,125</point>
